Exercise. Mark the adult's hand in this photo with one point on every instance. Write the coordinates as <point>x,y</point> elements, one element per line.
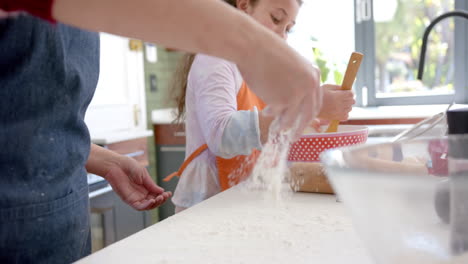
<point>128,178</point>
<point>286,81</point>
<point>134,185</point>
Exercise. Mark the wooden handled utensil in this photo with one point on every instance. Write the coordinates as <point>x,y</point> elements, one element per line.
<point>348,80</point>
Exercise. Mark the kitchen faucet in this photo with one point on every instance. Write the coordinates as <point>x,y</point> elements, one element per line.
<point>434,22</point>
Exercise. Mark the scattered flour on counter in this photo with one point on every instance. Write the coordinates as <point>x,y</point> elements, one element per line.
<point>461,259</point>
<point>427,258</point>
<point>256,231</point>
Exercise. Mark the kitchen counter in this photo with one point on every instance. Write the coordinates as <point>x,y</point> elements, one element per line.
<point>396,112</point>
<point>242,226</point>
<point>119,136</point>
<point>164,116</point>
<point>167,115</point>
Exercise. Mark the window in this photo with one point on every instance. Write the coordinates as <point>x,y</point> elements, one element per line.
<point>324,34</point>
<point>389,33</point>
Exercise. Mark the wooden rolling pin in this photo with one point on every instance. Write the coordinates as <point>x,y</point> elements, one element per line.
<point>309,177</point>
<point>348,80</point>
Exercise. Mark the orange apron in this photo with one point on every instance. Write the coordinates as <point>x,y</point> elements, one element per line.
<point>231,171</point>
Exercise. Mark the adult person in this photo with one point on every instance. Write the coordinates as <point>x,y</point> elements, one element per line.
<point>48,73</point>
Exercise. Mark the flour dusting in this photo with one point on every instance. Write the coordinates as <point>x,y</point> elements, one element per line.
<point>271,170</point>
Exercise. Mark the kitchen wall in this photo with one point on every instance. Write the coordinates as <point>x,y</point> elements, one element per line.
<point>158,78</point>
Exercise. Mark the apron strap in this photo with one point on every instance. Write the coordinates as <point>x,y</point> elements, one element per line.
<point>195,154</point>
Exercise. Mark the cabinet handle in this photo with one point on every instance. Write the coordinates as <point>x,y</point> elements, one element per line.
<point>172,149</point>
<point>100,192</point>
<point>135,154</point>
<point>179,134</point>
<point>136,115</point>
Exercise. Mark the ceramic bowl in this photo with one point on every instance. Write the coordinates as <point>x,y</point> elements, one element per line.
<point>309,147</point>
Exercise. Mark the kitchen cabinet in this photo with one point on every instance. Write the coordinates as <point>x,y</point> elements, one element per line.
<point>102,214</point>
<point>119,101</point>
<point>170,154</point>
<point>128,220</point>
<point>111,218</point>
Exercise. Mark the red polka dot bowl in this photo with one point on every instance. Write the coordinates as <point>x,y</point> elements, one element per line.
<point>309,147</point>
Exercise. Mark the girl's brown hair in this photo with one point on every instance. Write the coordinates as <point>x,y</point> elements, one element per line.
<point>179,85</point>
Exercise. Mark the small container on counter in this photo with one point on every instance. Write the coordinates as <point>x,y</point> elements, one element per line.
<point>457,118</point>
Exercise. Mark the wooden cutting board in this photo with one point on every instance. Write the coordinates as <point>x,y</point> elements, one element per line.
<point>309,177</point>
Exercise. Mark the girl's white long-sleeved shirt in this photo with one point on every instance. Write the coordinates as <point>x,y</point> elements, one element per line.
<point>212,118</point>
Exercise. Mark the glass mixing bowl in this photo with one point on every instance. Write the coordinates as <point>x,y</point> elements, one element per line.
<point>399,196</point>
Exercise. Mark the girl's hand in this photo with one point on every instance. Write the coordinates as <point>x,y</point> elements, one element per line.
<point>336,103</point>
<point>316,125</point>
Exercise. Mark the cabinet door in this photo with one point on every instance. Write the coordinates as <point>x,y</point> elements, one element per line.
<point>128,221</point>
<point>119,101</point>
<point>169,159</point>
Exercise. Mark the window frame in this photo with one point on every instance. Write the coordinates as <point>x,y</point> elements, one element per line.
<point>365,43</point>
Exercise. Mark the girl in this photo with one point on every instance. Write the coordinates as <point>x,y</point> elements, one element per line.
<point>224,124</point>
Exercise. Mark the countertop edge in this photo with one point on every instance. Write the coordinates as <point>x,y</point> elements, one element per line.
<point>120,136</point>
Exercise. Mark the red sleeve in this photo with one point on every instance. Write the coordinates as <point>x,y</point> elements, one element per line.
<point>39,8</point>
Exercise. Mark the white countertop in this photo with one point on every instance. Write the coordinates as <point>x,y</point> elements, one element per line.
<point>163,116</point>
<point>167,115</point>
<point>240,226</point>
<point>396,112</point>
<point>119,136</point>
